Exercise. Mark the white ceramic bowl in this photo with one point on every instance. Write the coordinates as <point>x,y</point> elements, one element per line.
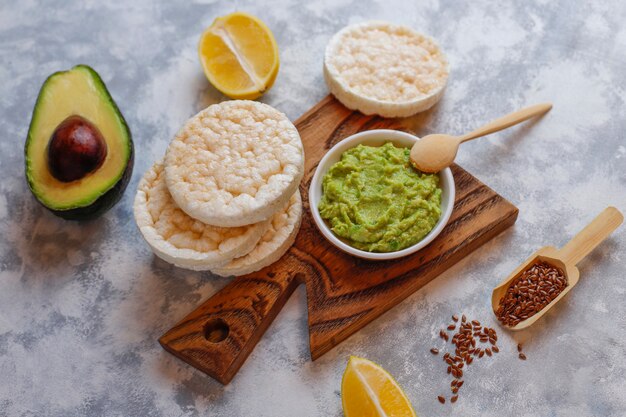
<point>377,138</point>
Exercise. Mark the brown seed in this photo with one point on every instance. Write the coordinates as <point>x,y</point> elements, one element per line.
<point>476,323</point>
<point>451,327</point>
<point>519,347</point>
<point>522,356</point>
<point>463,318</point>
<point>449,369</point>
<point>530,292</point>
<point>454,398</point>
<point>455,318</point>
<point>459,384</point>
<point>481,353</point>
<point>469,360</point>
<point>441,399</point>
<point>455,390</point>
<point>495,349</point>
<point>434,351</point>
<point>488,352</point>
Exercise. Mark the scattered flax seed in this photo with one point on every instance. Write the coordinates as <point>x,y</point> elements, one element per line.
<point>530,292</point>
<point>434,351</point>
<point>443,335</point>
<point>519,347</point>
<point>471,341</point>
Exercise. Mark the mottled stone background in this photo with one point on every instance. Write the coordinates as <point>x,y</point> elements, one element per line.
<point>82,305</point>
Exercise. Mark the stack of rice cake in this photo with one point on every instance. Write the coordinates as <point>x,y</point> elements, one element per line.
<point>225,197</point>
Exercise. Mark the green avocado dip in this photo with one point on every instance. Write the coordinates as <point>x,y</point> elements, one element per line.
<point>375,200</point>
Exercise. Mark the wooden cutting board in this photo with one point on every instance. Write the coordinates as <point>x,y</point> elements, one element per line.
<point>344,293</point>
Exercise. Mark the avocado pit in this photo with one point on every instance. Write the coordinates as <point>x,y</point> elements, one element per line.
<point>76,148</point>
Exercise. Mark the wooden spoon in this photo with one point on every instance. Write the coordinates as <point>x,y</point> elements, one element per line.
<point>433,153</point>
<point>565,258</point>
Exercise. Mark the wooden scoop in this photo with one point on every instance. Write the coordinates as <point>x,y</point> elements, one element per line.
<point>565,258</point>
<point>433,153</point>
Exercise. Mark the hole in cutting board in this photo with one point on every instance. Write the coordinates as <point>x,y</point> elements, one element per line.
<point>216,330</point>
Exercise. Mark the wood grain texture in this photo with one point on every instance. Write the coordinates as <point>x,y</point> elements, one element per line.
<point>344,293</point>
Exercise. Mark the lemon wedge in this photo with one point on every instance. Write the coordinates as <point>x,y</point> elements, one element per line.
<point>239,55</point>
<point>367,390</point>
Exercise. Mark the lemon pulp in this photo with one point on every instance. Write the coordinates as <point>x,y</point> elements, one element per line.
<point>239,56</point>
<point>367,390</point>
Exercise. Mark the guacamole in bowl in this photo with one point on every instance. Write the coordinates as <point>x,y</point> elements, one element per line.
<point>374,200</point>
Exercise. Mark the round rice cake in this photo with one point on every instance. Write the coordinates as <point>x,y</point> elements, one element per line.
<point>275,242</point>
<point>235,163</point>
<point>181,240</point>
<point>385,69</point>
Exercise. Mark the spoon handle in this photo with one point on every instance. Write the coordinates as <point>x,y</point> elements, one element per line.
<point>591,236</point>
<point>507,121</point>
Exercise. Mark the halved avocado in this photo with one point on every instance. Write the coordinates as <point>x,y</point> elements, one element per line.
<point>79,150</point>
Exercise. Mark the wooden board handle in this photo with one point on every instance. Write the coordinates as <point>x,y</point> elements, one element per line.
<point>591,236</point>
<point>507,121</point>
<point>219,335</point>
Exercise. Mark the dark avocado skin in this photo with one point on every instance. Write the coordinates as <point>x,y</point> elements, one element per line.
<point>114,194</point>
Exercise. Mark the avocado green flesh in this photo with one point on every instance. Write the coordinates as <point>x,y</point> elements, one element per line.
<point>79,91</point>
<point>375,200</point>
